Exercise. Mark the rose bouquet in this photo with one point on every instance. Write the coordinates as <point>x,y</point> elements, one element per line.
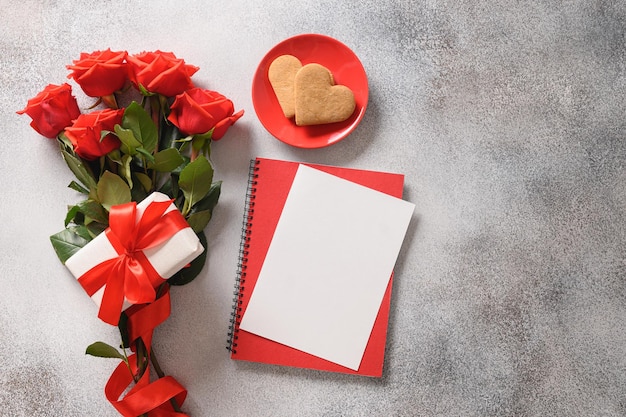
<point>148,133</point>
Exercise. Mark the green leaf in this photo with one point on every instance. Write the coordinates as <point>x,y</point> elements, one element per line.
<point>195,181</point>
<point>64,143</point>
<point>205,136</point>
<point>80,170</point>
<point>186,275</point>
<point>71,214</point>
<point>137,119</point>
<point>167,160</point>
<point>104,350</point>
<point>199,220</point>
<point>143,90</point>
<point>198,142</point>
<point>95,228</point>
<point>206,149</point>
<point>112,190</point>
<point>66,243</point>
<point>115,155</point>
<point>201,213</point>
<point>82,231</point>
<point>94,210</point>
<point>144,180</point>
<point>93,194</point>
<point>122,325</point>
<point>210,200</point>
<point>129,141</point>
<point>186,162</point>
<point>149,157</point>
<point>169,135</point>
<point>183,142</point>
<point>125,169</point>
<point>77,187</point>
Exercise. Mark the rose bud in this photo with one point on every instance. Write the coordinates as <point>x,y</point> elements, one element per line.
<point>52,110</point>
<point>100,73</point>
<point>160,73</point>
<point>86,133</point>
<point>197,111</point>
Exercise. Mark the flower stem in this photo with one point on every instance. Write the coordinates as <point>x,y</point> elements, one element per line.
<point>142,358</point>
<point>157,369</point>
<point>141,363</point>
<point>194,153</point>
<point>156,365</point>
<point>155,111</point>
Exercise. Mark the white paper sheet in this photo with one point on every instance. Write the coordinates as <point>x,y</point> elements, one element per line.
<point>328,266</point>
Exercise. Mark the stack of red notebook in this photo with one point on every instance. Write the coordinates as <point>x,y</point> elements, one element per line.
<point>315,278</point>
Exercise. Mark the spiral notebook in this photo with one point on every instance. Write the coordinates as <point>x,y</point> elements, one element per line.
<point>315,276</point>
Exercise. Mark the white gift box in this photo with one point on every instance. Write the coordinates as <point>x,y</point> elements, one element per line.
<point>167,258</point>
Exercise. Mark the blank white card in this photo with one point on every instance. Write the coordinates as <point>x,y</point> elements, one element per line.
<point>327,267</point>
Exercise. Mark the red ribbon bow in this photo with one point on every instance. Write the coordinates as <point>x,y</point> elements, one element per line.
<point>130,275</point>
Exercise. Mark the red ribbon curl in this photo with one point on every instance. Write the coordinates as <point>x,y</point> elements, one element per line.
<point>145,397</point>
<point>130,275</point>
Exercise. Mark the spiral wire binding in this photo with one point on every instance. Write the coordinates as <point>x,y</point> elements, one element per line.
<point>244,245</point>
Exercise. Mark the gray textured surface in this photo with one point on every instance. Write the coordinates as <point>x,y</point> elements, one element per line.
<point>508,120</point>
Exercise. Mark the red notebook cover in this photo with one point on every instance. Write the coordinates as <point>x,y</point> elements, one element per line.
<point>269,184</point>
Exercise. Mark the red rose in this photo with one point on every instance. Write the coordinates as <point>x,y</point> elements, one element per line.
<point>52,110</point>
<point>160,72</point>
<point>100,73</point>
<point>197,111</point>
<point>86,132</point>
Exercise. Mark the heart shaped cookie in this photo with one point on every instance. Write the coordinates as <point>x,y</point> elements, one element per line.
<point>318,100</point>
<point>282,73</point>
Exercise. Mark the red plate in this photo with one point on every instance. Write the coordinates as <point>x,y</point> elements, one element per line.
<point>346,69</point>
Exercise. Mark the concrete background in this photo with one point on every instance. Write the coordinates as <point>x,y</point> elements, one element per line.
<point>508,120</point>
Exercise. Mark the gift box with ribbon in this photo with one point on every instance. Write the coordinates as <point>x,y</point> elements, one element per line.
<point>144,245</point>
